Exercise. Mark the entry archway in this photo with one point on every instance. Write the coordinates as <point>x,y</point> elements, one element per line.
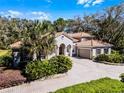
<point>62,49</point>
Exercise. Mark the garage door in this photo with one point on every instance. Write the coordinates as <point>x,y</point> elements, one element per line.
<point>84,53</point>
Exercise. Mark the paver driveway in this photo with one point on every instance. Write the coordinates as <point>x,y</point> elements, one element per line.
<point>83,70</point>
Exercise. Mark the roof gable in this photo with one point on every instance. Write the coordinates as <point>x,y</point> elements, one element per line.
<point>66,35</point>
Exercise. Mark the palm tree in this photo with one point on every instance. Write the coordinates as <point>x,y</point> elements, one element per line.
<point>39,37</point>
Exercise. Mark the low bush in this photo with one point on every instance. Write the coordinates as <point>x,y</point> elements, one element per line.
<point>9,78</point>
<point>5,58</point>
<point>1,62</point>
<point>122,77</point>
<point>115,57</point>
<point>61,63</point>
<point>102,57</point>
<point>39,69</point>
<point>104,85</point>
<point>6,61</point>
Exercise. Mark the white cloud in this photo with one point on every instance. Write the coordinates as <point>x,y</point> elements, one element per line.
<point>88,3</point>
<point>40,15</point>
<point>14,13</point>
<point>11,13</point>
<point>97,2</point>
<point>29,15</point>
<point>82,1</point>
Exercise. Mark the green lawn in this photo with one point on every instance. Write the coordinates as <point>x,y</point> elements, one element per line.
<point>104,85</point>
<point>4,52</point>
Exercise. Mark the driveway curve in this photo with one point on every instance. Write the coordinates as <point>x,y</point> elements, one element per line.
<point>83,70</point>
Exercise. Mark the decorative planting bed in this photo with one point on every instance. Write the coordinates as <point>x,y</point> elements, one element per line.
<point>9,78</point>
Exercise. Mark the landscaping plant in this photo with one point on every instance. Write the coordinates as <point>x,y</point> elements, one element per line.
<point>115,57</point>
<point>6,58</point>
<point>102,57</point>
<point>61,63</point>
<point>39,69</point>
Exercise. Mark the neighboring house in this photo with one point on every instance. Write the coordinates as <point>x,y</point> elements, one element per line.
<point>75,44</point>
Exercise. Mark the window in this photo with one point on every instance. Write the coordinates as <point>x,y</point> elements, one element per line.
<point>98,51</point>
<point>106,50</point>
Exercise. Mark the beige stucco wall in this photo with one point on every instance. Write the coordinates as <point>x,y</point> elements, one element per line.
<point>63,39</point>
<point>94,54</point>
<point>110,50</point>
<point>66,41</point>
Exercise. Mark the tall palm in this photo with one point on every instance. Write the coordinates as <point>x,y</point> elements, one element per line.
<point>39,38</point>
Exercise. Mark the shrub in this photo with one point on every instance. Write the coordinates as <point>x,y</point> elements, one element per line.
<point>104,85</point>
<point>39,69</point>
<point>10,78</point>
<point>122,77</point>
<point>61,63</point>
<point>6,61</point>
<point>1,62</point>
<point>102,57</point>
<point>5,58</point>
<point>115,58</point>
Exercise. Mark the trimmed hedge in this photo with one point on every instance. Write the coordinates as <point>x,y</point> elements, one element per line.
<point>113,58</point>
<point>102,57</point>
<point>61,63</point>
<point>39,69</point>
<point>104,85</point>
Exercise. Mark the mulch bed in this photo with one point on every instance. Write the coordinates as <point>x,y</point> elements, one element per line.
<point>10,77</point>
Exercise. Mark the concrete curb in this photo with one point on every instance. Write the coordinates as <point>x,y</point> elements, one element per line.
<point>53,77</point>
<point>109,63</point>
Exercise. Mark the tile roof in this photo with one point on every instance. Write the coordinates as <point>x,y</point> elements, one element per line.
<point>81,44</point>
<point>92,43</point>
<point>16,44</point>
<point>80,34</point>
<point>65,34</point>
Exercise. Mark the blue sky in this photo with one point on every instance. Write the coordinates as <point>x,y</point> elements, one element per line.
<point>52,9</point>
